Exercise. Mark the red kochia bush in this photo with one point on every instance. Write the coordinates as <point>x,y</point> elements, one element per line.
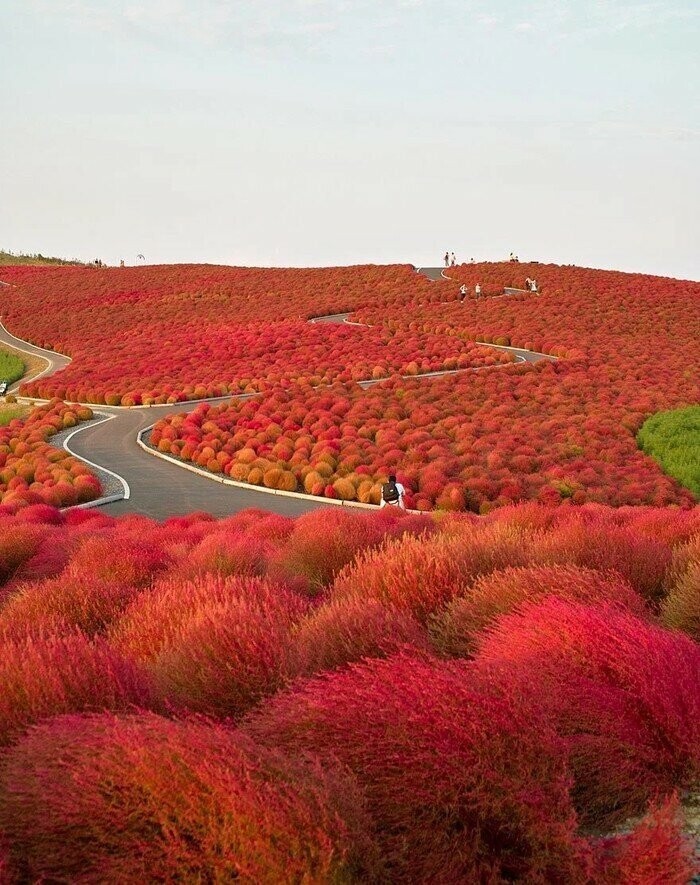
<point>454,630</point>
<point>215,645</point>
<point>342,631</point>
<point>143,799</point>
<point>464,783</point>
<point>641,559</point>
<point>624,693</point>
<point>420,574</point>
<point>73,601</point>
<point>44,677</point>
<point>656,852</point>
<point>322,542</point>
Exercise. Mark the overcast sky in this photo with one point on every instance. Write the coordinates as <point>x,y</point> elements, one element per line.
<point>315,132</point>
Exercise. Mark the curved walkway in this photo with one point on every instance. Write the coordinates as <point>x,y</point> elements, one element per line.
<point>160,488</point>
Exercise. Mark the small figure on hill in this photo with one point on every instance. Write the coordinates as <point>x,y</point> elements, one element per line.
<point>512,257</point>
<point>393,493</point>
<point>533,285</point>
<point>453,260</point>
<point>471,261</point>
<point>121,262</point>
<point>528,284</point>
<point>447,259</point>
<point>462,292</point>
<point>477,290</point>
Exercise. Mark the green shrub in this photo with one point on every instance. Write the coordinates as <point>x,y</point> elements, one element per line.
<point>11,367</point>
<point>673,439</point>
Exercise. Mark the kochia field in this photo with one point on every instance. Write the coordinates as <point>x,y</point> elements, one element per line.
<point>554,431</point>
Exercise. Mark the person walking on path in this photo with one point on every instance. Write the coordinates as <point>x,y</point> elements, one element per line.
<point>447,259</point>
<point>393,493</point>
<point>453,260</point>
<point>477,290</point>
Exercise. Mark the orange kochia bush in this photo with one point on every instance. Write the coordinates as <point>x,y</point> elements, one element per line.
<point>32,471</point>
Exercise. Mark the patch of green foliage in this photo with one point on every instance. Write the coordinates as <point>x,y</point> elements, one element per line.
<point>673,439</point>
<point>11,366</point>
<point>36,258</point>
<point>7,413</point>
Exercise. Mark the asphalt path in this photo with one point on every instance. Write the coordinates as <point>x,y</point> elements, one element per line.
<point>159,488</point>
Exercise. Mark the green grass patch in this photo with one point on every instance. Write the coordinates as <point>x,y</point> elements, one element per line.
<point>36,258</point>
<point>8,412</point>
<point>11,366</point>
<point>673,439</point>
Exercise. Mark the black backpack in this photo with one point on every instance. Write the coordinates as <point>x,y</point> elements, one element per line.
<point>390,493</point>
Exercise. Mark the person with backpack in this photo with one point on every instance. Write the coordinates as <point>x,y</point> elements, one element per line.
<point>393,493</point>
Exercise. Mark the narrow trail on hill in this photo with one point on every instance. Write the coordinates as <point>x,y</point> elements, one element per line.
<point>160,487</point>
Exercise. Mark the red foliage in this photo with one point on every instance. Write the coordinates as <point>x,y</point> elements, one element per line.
<point>45,677</point>
<point>624,693</point>
<point>420,574</point>
<point>88,798</point>
<point>656,852</point>
<point>455,630</point>
<point>347,630</point>
<point>33,473</point>
<point>213,645</point>
<point>76,600</point>
<point>428,745</point>
<point>552,432</point>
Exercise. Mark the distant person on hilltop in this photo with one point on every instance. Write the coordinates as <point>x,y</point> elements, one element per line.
<point>447,259</point>
<point>453,260</point>
<point>393,493</point>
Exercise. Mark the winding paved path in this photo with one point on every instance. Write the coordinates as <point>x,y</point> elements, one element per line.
<point>158,488</point>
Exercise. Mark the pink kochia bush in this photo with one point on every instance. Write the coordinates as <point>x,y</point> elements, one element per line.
<point>450,769</point>
<point>458,627</point>
<point>144,799</point>
<point>624,693</point>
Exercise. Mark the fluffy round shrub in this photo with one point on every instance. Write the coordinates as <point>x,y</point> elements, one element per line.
<point>464,784</point>
<point>141,798</point>
<point>656,851</point>
<point>128,560</point>
<point>45,677</point>
<point>625,695</point>
<point>454,630</point>
<point>640,559</point>
<point>322,542</point>
<point>73,601</point>
<point>228,552</point>
<point>680,609</point>
<point>340,632</point>
<point>215,645</point>
<point>421,574</point>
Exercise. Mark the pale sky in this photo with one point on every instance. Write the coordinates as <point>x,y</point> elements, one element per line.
<point>317,132</point>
